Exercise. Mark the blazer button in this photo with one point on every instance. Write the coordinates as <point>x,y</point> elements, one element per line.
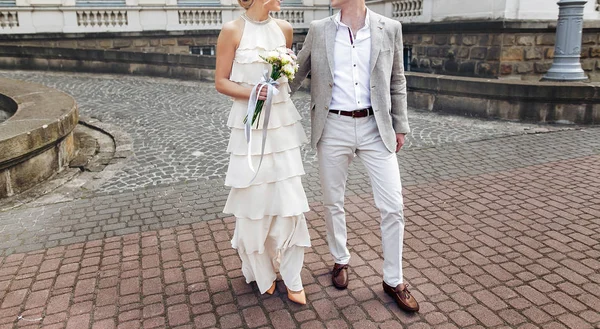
<point>326,107</point>
<point>330,85</point>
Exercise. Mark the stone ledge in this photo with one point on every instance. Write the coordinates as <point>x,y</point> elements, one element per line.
<point>119,35</point>
<point>116,56</point>
<point>545,102</point>
<point>108,61</point>
<point>37,140</point>
<point>102,35</point>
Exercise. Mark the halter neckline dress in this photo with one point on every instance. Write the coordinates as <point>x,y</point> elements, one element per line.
<point>270,230</point>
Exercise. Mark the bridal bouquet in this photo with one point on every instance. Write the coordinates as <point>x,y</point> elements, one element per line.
<point>283,62</point>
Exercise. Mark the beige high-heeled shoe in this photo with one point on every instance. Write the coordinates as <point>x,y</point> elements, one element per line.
<point>271,290</point>
<point>297,296</point>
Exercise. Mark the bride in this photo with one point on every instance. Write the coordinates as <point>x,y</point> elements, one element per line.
<point>270,229</point>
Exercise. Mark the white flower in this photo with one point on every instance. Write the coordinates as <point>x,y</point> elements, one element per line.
<point>288,69</point>
<point>272,55</point>
<point>286,59</point>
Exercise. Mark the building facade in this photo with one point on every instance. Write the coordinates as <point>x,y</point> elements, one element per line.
<point>480,38</point>
<point>97,16</point>
<point>511,39</point>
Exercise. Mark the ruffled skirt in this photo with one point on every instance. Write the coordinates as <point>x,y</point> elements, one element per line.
<point>271,231</point>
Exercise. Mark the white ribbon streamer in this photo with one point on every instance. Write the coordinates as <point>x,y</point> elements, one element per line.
<point>271,85</point>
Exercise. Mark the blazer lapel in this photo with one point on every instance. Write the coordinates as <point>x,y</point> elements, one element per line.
<point>330,32</point>
<point>377,26</point>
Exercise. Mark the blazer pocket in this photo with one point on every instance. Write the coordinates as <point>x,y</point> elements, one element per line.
<point>386,53</point>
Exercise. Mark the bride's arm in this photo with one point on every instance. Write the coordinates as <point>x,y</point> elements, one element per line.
<point>228,41</point>
<point>288,32</point>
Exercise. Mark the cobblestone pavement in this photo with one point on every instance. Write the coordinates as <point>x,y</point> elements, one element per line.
<point>178,127</point>
<point>513,246</point>
<point>503,231</point>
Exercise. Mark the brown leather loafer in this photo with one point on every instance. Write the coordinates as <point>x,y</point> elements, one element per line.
<point>403,298</point>
<point>339,276</point>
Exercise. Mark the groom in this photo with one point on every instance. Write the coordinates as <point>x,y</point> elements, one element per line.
<point>358,108</point>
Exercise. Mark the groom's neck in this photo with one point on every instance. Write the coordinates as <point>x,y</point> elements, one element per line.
<point>353,14</point>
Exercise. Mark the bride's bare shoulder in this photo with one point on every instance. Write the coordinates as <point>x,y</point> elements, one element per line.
<point>284,25</point>
<point>233,28</point>
<point>288,31</point>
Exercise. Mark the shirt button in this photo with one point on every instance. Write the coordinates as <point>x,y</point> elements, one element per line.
<point>356,84</point>
<point>354,65</point>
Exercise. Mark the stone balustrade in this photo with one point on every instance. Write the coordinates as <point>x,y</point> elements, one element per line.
<point>427,11</point>
<point>85,16</point>
<point>407,8</point>
<point>79,16</point>
<point>481,38</point>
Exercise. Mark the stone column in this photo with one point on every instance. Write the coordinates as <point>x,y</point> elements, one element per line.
<point>567,51</point>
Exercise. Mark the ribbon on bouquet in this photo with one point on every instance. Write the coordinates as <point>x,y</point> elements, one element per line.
<point>271,85</point>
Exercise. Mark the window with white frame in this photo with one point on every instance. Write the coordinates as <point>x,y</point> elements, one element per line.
<point>198,3</point>
<point>202,50</point>
<point>293,3</point>
<point>8,3</point>
<point>100,3</point>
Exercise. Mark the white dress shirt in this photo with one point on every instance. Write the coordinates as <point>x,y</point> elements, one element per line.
<point>351,76</point>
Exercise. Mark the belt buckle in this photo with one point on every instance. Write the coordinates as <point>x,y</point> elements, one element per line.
<point>353,114</point>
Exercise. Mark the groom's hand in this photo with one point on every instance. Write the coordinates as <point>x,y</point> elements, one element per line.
<point>399,142</point>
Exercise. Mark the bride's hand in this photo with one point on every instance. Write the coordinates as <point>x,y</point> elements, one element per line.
<point>262,95</point>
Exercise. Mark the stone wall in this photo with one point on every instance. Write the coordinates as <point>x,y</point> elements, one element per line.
<point>519,51</point>
<point>183,66</point>
<point>148,42</point>
<point>530,101</point>
<point>530,55</point>
<point>455,53</point>
<point>491,49</point>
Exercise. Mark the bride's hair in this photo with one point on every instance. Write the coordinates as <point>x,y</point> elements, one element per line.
<point>246,3</point>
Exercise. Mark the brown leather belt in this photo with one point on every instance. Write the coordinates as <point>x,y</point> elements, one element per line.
<point>356,113</point>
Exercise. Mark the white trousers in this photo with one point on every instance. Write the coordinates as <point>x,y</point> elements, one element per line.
<point>342,139</point>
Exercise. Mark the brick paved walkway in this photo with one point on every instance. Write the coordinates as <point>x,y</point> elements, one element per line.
<point>500,234</point>
<point>503,228</point>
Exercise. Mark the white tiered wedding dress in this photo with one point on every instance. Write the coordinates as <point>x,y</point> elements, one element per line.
<point>270,231</point>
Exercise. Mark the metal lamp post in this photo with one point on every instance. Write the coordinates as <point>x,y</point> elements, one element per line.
<point>566,65</point>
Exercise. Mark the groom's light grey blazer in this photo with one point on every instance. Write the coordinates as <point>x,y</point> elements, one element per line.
<point>388,84</point>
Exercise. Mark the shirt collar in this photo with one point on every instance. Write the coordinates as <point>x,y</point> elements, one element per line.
<point>338,19</point>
